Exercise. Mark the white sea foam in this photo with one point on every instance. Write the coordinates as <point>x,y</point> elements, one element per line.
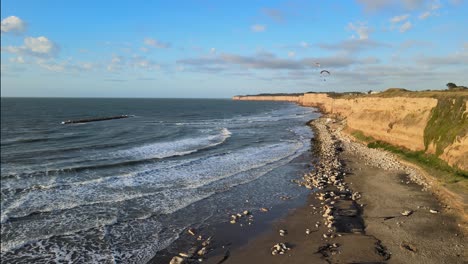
<point>107,218</point>
<point>153,191</point>
<point>158,150</point>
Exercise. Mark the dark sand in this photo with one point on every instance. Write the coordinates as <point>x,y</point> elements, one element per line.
<point>377,233</point>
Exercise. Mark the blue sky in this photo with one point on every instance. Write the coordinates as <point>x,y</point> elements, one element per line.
<point>217,49</point>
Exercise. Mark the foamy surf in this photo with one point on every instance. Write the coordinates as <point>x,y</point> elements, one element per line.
<point>121,191</point>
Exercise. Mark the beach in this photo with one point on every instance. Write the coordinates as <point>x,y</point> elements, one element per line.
<point>365,206</point>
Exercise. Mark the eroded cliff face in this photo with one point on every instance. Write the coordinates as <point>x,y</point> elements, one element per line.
<point>400,121</point>
<point>295,99</point>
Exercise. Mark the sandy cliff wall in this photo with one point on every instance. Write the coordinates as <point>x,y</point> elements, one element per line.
<point>295,99</point>
<point>400,121</point>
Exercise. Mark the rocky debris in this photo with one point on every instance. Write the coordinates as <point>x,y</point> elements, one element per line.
<point>432,211</point>
<point>307,231</point>
<point>206,242</point>
<point>408,247</point>
<point>356,196</point>
<point>191,231</point>
<point>244,215</point>
<point>407,213</point>
<point>202,251</point>
<point>177,260</point>
<point>263,209</point>
<point>283,232</point>
<point>279,248</point>
<point>381,159</point>
<point>285,197</point>
<point>194,254</point>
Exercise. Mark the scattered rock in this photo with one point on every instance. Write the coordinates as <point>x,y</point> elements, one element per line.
<point>433,211</point>
<point>407,213</point>
<point>177,260</point>
<point>282,232</point>
<point>263,209</point>
<point>408,247</point>
<point>206,242</point>
<point>202,251</point>
<point>191,231</point>
<point>279,248</point>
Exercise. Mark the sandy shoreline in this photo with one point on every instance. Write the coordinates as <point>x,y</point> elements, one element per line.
<point>368,209</point>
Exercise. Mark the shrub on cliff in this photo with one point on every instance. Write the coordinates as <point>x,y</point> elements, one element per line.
<point>451,85</point>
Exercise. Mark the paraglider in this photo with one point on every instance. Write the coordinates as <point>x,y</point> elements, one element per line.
<point>324,74</point>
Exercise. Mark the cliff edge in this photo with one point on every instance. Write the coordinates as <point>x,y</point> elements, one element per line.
<point>434,122</point>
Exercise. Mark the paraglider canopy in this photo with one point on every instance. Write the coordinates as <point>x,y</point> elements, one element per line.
<point>324,74</point>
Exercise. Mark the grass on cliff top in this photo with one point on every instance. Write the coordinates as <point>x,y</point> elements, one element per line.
<point>400,92</point>
<point>394,92</point>
<point>449,120</point>
<point>430,163</point>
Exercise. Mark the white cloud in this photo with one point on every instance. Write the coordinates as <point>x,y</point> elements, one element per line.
<point>66,66</point>
<point>156,43</point>
<point>39,47</point>
<point>144,63</point>
<point>13,24</point>
<point>433,7</point>
<point>304,44</point>
<point>361,29</point>
<point>424,15</point>
<point>18,59</point>
<point>116,63</point>
<point>213,50</point>
<point>397,19</point>
<point>52,66</point>
<point>291,54</point>
<point>258,28</point>
<point>354,45</point>
<point>406,26</point>
<point>378,5</point>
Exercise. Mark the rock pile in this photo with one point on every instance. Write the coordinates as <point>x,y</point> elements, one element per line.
<point>194,254</point>
<point>244,215</point>
<point>279,248</point>
<point>381,159</point>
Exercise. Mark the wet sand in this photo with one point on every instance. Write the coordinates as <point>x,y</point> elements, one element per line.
<point>376,214</point>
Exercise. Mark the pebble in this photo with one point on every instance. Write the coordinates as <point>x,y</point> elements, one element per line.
<point>433,211</point>
<point>407,213</point>
<point>282,232</point>
<point>191,231</point>
<point>202,251</point>
<point>176,260</point>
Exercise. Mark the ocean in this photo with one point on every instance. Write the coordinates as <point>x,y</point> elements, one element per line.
<point>119,191</point>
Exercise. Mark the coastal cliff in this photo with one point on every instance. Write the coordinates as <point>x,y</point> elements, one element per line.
<point>435,125</point>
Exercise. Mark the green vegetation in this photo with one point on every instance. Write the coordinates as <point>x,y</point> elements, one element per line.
<point>448,120</point>
<point>360,136</point>
<point>451,85</point>
<point>461,91</point>
<point>427,161</point>
<point>451,177</point>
